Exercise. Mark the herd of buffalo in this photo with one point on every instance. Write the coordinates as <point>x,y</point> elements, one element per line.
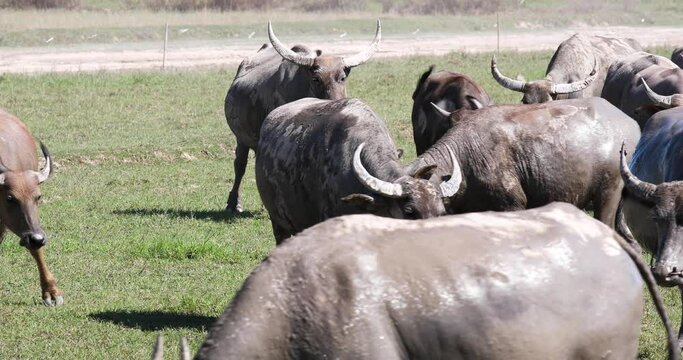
<point>522,273</point>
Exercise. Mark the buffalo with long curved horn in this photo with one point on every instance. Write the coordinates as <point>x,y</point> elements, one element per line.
<point>277,75</point>
<point>577,69</point>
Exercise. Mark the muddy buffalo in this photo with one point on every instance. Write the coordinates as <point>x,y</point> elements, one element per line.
<point>451,91</point>
<point>277,75</point>
<point>514,157</point>
<point>20,194</point>
<point>547,283</point>
<point>653,204</point>
<point>577,69</point>
<point>318,159</point>
<point>625,89</point>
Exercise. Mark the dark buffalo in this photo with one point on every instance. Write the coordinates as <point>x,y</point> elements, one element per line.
<point>20,194</point>
<point>653,204</point>
<point>577,69</point>
<point>548,283</point>
<point>624,84</point>
<point>524,156</point>
<point>451,91</point>
<point>275,76</point>
<point>677,57</point>
<point>318,159</point>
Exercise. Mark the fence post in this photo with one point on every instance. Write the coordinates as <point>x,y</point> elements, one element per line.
<point>163,61</point>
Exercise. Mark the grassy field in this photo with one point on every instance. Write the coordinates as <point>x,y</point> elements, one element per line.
<point>104,25</point>
<point>138,238</point>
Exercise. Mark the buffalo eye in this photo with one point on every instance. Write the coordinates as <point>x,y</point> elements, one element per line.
<point>409,212</point>
<point>11,199</point>
<point>38,197</point>
<point>315,79</point>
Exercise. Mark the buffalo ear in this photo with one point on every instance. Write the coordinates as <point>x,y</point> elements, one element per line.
<point>362,201</point>
<point>399,152</point>
<point>425,172</point>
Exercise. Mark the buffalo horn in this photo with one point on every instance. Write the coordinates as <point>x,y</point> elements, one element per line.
<point>577,85</point>
<point>441,111</point>
<point>287,53</point>
<point>450,187</point>
<point>641,189</point>
<point>366,54</point>
<point>505,81</point>
<point>47,170</point>
<point>659,100</point>
<point>379,186</point>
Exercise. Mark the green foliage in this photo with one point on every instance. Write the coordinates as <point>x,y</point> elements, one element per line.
<point>138,239</point>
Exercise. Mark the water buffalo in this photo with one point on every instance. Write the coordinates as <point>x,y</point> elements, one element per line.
<point>653,203</point>
<point>451,91</point>
<point>624,87</point>
<point>277,75</point>
<point>20,194</point>
<point>547,283</point>
<point>677,57</point>
<point>318,159</point>
<point>523,156</point>
<point>577,69</point>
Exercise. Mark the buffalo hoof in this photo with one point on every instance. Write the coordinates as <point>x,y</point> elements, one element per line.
<point>233,208</point>
<point>53,300</point>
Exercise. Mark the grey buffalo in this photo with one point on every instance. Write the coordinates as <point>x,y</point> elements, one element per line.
<point>318,159</point>
<point>20,194</point>
<point>547,283</point>
<point>523,156</point>
<point>653,204</point>
<point>625,89</point>
<point>577,69</point>
<point>677,57</point>
<point>451,91</point>
<point>275,76</point>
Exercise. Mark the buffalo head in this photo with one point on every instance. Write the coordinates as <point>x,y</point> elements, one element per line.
<point>541,91</point>
<point>666,203</point>
<point>408,197</point>
<point>19,196</point>
<point>327,72</point>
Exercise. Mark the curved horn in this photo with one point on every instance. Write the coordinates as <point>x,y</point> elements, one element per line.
<point>577,85</point>
<point>366,54</point>
<point>505,81</point>
<point>47,170</point>
<point>641,189</point>
<point>287,53</point>
<point>450,187</point>
<point>379,186</point>
<point>441,111</point>
<point>659,100</point>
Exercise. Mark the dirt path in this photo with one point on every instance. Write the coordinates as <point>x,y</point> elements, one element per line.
<point>220,53</point>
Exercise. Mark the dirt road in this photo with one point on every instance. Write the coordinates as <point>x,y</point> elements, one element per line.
<point>227,52</point>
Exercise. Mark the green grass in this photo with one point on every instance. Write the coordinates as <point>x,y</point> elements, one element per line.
<point>138,239</point>
<point>99,25</point>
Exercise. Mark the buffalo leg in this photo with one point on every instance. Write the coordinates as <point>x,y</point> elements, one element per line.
<point>48,284</point>
<point>606,205</point>
<point>240,165</point>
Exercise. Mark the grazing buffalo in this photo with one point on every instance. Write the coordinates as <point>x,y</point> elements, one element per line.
<point>547,283</point>
<point>317,159</point>
<point>275,76</point>
<point>577,69</point>
<point>524,156</point>
<point>20,194</point>
<point>449,90</point>
<point>677,57</point>
<point>625,89</point>
<point>653,204</point>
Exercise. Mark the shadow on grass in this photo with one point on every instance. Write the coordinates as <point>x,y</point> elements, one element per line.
<point>154,320</point>
<point>214,215</point>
